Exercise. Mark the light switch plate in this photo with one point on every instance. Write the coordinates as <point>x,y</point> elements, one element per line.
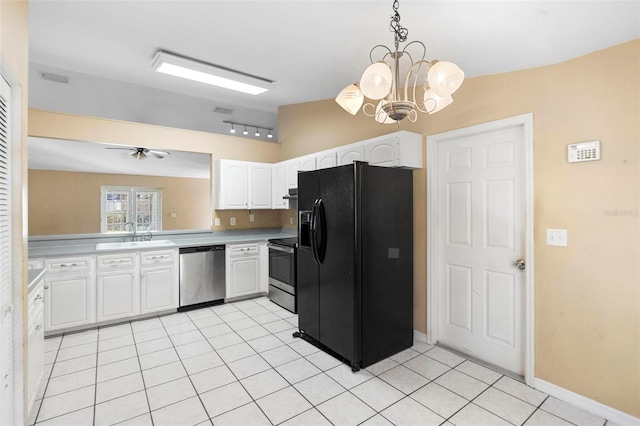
<point>252,217</point>
<point>216,221</point>
<point>233,221</point>
<point>557,237</point>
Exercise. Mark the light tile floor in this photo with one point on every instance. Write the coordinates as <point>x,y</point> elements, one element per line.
<point>238,364</point>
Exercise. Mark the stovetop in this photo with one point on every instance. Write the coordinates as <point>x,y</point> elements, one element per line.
<point>287,242</point>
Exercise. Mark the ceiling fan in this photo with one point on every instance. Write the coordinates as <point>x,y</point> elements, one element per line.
<point>141,153</point>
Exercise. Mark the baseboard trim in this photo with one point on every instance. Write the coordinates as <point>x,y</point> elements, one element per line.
<point>419,336</point>
<point>593,407</point>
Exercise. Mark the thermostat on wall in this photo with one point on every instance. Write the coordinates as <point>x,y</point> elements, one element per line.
<point>584,151</point>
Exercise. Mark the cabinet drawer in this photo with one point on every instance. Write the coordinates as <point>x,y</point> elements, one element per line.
<point>237,250</point>
<point>164,257</point>
<point>120,260</point>
<point>69,264</point>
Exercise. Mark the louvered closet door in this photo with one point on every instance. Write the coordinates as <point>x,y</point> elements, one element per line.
<point>6,311</point>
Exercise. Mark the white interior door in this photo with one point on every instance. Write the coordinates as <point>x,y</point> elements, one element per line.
<point>480,236</point>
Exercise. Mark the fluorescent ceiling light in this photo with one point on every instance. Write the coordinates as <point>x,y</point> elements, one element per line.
<point>203,72</point>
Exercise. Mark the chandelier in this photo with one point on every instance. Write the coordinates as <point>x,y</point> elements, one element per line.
<point>428,85</point>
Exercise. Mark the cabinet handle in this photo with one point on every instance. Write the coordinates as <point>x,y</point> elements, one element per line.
<point>38,327</point>
<point>38,297</point>
<point>141,275</point>
<point>73,265</point>
<point>46,287</point>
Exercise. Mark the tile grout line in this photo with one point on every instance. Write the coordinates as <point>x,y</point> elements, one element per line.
<point>144,384</point>
<point>273,368</point>
<point>44,392</point>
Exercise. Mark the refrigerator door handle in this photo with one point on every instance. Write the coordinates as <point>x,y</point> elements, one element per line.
<point>321,232</point>
<point>313,233</point>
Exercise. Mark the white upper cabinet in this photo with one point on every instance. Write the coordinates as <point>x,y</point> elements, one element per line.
<point>307,163</point>
<point>242,185</point>
<point>326,159</point>
<point>279,186</point>
<point>351,153</point>
<point>259,186</point>
<point>400,149</point>
<point>232,184</point>
<point>293,166</point>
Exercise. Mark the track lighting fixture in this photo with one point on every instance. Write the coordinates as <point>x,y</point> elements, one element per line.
<point>246,132</point>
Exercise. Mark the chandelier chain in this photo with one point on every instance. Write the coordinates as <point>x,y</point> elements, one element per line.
<point>400,32</point>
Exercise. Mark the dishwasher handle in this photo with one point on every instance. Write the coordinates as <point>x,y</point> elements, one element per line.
<point>187,250</point>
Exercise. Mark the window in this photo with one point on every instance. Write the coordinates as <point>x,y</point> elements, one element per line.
<point>139,206</point>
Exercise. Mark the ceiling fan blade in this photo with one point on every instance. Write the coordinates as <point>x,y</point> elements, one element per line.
<point>129,149</point>
<point>158,154</point>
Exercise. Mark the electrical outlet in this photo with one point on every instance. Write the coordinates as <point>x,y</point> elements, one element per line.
<point>252,217</point>
<point>233,221</point>
<point>173,215</point>
<point>290,220</point>
<point>557,237</point>
<point>216,221</point>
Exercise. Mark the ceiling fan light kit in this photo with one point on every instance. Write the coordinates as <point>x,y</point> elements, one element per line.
<point>428,85</point>
<point>203,72</point>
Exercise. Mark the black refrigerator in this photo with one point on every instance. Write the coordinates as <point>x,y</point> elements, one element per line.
<point>355,261</point>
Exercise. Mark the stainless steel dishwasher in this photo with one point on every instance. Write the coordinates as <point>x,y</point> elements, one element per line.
<point>202,276</point>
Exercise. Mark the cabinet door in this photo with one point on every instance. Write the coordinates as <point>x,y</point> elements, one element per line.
<point>158,289</point>
<point>385,152</point>
<point>36,341</point>
<point>279,186</point>
<point>260,186</point>
<point>118,295</point>
<point>292,173</point>
<point>326,160</point>
<point>244,276</point>
<point>69,301</point>
<point>234,175</point>
<point>350,154</point>
<point>308,163</point>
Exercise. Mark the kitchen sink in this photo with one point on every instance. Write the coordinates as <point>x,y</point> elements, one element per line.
<point>134,244</point>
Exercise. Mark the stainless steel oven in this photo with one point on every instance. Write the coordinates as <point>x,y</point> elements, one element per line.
<point>282,272</point>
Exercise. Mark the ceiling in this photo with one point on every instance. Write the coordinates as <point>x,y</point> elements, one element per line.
<point>311,49</point>
<point>74,156</point>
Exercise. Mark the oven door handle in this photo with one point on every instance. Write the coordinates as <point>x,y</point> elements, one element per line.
<point>280,248</point>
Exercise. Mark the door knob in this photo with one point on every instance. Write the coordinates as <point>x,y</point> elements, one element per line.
<point>520,264</point>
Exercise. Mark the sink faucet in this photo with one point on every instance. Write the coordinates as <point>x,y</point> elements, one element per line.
<point>133,226</point>
<point>148,236</point>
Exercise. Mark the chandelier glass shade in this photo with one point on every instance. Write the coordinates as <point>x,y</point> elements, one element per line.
<point>426,88</point>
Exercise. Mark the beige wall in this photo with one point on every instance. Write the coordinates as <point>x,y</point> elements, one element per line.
<point>81,128</point>
<point>14,50</point>
<point>69,202</point>
<point>587,298</point>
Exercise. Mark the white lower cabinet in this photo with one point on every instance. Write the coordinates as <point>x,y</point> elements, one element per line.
<point>118,294</point>
<point>157,289</point>
<point>35,340</point>
<point>70,300</point>
<point>118,286</point>
<point>125,285</point>
<point>243,269</point>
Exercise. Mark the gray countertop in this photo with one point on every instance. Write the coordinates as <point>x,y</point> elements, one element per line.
<point>81,246</point>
